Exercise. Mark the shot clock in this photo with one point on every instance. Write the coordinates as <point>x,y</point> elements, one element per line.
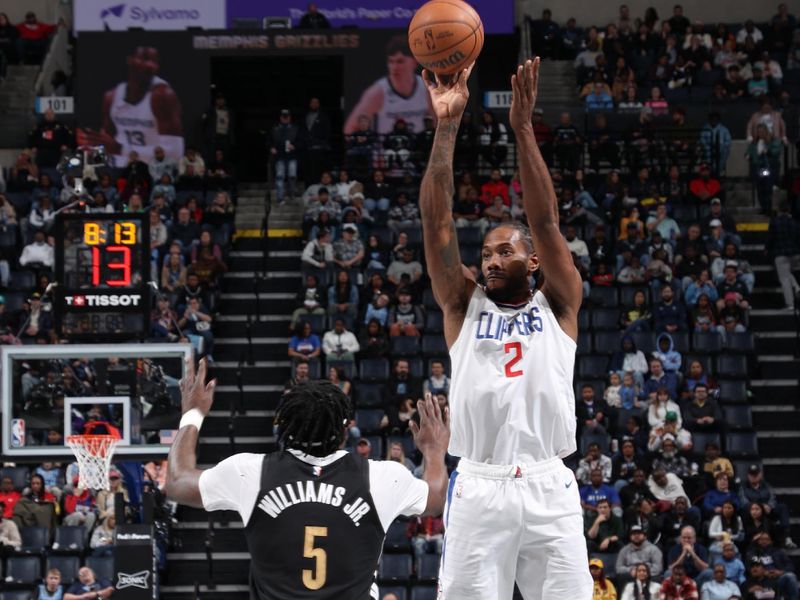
<point>102,271</point>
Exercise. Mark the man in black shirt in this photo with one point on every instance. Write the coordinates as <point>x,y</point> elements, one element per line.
<point>50,138</point>
<point>313,19</point>
<point>315,516</point>
<point>567,143</point>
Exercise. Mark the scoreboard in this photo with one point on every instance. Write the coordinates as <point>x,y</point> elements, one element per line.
<point>103,273</point>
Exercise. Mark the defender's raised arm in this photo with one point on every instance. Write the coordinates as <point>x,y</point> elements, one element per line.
<point>562,283</point>
<point>450,280</point>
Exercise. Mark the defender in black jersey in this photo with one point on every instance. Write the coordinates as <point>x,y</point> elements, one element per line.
<point>315,515</point>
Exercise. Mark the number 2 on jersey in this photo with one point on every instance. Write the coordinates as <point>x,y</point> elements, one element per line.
<point>315,579</point>
<point>514,348</point>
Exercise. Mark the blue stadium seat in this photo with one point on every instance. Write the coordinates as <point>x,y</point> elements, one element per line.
<point>584,319</point>
<point>627,292</point>
<point>609,562</point>
<point>645,341</point>
<point>434,345</point>
<point>732,392</point>
<point>373,369</point>
<point>738,416</point>
<point>15,595</point>
<point>423,592</point>
<point>605,318</point>
<point>68,565</point>
<point>428,301</point>
<point>606,342</point>
<point>601,439</point>
<point>593,367</point>
<point>103,566</point>
<point>347,367</point>
<point>69,539</point>
<point>428,567</point>
<point>416,367</point>
<point>377,450</point>
<point>400,592</point>
<point>434,321</point>
<point>732,365</point>
<point>470,236</point>
<point>369,394</point>
<point>395,567</point>
<point>603,296</point>
<point>741,445</point>
<point>396,537</point>
<point>584,343</point>
<point>709,342</point>
<point>19,475</point>
<point>703,359</point>
<point>701,438</point>
<point>23,570</point>
<point>471,255</point>
<point>14,301</point>
<point>680,341</point>
<point>404,345</point>
<point>8,238</point>
<point>314,369</point>
<point>369,419</point>
<point>740,342</point>
<point>35,540</point>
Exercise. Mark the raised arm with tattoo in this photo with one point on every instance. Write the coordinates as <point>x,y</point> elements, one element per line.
<point>183,476</point>
<point>450,280</point>
<point>562,283</point>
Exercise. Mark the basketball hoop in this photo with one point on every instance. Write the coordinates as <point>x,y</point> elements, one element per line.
<point>93,453</point>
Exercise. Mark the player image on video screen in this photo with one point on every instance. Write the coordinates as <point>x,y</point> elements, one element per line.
<point>139,114</point>
<point>400,94</point>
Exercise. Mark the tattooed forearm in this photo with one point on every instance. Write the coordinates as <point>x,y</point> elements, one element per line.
<point>437,185</point>
<point>449,254</point>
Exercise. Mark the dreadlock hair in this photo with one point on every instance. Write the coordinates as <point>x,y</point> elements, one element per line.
<point>312,418</point>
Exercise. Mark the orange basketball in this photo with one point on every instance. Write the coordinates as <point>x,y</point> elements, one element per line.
<point>445,36</point>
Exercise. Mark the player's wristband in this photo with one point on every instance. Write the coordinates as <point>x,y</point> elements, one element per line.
<point>192,416</point>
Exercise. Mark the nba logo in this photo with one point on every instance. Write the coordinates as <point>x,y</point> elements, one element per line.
<point>17,433</point>
<point>317,471</point>
<point>429,41</point>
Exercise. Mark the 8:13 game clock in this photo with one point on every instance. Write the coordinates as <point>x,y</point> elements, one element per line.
<point>102,271</point>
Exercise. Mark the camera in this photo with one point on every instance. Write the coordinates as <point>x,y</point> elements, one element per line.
<point>84,165</point>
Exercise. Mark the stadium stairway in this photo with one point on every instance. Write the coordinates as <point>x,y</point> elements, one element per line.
<point>209,554</point>
<point>774,384</point>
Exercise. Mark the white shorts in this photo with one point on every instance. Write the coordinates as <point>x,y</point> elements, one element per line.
<point>518,522</point>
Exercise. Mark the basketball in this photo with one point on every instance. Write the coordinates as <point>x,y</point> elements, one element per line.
<point>445,36</point>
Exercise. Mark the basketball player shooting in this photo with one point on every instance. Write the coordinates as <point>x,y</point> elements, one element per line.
<point>141,114</point>
<point>315,515</point>
<point>513,510</point>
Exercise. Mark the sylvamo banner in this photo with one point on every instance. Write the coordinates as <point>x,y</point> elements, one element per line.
<point>117,15</point>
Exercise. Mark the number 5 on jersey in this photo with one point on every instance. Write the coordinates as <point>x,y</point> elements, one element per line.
<point>315,578</point>
<point>515,350</point>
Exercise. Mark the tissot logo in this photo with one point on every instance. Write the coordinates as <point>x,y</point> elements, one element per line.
<point>137,580</point>
<point>103,300</point>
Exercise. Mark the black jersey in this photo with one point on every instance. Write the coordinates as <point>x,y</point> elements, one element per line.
<point>314,531</point>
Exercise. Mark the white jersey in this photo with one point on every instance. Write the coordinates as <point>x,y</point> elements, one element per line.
<point>511,394</point>
<point>136,125</point>
<point>412,109</point>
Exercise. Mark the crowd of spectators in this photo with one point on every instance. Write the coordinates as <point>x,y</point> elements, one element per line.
<point>48,515</point>
<point>646,59</point>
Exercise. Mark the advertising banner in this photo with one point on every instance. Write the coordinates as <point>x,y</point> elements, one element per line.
<point>497,17</point>
<point>114,15</point>
<point>134,570</point>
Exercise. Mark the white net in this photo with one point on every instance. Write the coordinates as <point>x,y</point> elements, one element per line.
<point>93,453</point>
